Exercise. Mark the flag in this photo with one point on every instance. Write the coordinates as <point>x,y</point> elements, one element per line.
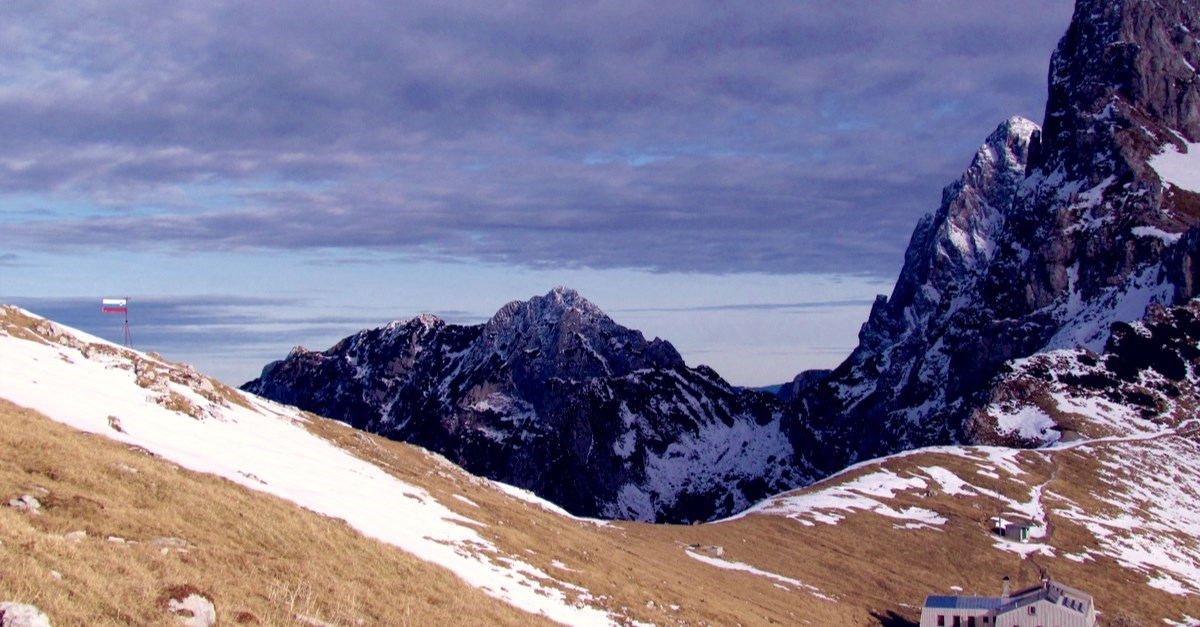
<point>114,305</point>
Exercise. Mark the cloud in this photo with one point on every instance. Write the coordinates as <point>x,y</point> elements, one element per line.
<point>829,304</point>
<point>670,136</point>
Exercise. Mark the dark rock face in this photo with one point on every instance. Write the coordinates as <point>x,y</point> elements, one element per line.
<point>553,396</point>
<point>1050,237</point>
<point>1126,67</point>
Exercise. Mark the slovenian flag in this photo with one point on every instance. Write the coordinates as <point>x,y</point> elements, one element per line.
<point>114,305</point>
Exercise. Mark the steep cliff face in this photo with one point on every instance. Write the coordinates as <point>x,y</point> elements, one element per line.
<point>1050,237</point>
<point>552,395</point>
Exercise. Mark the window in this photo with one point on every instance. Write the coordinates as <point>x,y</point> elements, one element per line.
<point>1032,610</point>
<point>957,621</point>
<point>970,621</point>
<point>941,620</point>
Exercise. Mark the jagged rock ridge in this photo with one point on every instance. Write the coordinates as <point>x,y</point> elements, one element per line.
<point>552,395</point>
<point>1051,236</point>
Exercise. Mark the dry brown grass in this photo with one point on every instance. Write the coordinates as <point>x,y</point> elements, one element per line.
<point>1118,590</point>
<point>261,559</point>
<point>872,568</point>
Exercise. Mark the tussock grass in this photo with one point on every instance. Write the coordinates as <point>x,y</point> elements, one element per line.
<point>153,528</point>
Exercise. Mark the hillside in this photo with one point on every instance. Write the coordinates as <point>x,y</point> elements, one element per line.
<point>859,548</point>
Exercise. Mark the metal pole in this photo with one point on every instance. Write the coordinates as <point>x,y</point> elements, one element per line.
<point>128,340</point>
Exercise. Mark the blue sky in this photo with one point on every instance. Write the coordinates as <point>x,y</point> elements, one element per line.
<point>738,179</point>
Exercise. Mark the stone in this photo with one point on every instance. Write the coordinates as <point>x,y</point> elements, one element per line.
<point>26,503</point>
<point>22,615</point>
<point>194,610</point>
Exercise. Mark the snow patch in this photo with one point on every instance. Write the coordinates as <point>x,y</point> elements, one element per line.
<point>831,504</point>
<point>1152,231</point>
<point>1179,169</point>
<point>1028,422</point>
<point>740,566</point>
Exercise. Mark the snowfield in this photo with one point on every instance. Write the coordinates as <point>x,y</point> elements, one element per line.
<point>260,445</point>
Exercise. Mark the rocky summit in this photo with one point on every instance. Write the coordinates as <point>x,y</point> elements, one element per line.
<point>553,396</point>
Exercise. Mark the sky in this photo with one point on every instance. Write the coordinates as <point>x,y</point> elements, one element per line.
<point>740,179</point>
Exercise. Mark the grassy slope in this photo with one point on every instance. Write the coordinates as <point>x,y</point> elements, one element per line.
<point>874,569</point>
<point>258,557</point>
<point>262,556</point>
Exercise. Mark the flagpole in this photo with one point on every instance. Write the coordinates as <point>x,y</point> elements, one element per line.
<point>119,305</point>
<point>128,340</point>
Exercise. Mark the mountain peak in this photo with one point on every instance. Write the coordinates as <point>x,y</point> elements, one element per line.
<point>568,299</point>
<point>558,304</point>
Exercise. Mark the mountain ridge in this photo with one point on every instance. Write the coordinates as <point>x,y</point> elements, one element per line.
<point>552,395</point>
<point>1112,513</point>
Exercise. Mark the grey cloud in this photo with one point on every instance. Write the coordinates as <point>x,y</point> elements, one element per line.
<point>692,136</point>
<point>830,304</point>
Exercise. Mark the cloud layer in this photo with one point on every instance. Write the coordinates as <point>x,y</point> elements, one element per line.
<point>780,136</point>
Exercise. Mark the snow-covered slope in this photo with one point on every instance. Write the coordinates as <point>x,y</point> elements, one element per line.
<point>172,411</point>
<point>1118,516</point>
<point>1146,379</point>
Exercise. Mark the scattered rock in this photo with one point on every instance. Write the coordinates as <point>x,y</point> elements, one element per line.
<point>115,423</point>
<point>167,544</point>
<point>22,615</point>
<point>314,622</point>
<point>116,540</point>
<point>56,575</point>
<point>76,536</point>
<point>125,468</point>
<point>253,477</point>
<point>27,503</point>
<point>190,606</point>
